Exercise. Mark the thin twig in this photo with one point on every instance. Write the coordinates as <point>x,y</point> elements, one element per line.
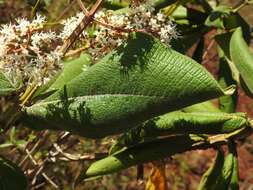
<point>207,49</point>
<point>77,157</point>
<point>41,138</point>
<point>43,174</point>
<point>34,9</point>
<point>76,51</point>
<point>38,186</point>
<point>79,29</point>
<point>119,29</point>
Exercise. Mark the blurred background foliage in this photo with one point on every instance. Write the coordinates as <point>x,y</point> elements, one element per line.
<point>48,168</point>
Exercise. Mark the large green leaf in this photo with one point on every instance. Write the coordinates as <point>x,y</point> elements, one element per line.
<point>182,123</point>
<point>140,80</point>
<point>11,177</point>
<point>141,153</point>
<point>242,57</point>
<point>6,85</point>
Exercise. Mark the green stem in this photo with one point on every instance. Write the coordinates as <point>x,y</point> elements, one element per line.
<point>241,5</point>
<point>34,9</point>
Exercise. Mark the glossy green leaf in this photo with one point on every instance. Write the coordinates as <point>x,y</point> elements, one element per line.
<point>182,123</point>
<point>242,57</point>
<point>139,154</point>
<point>140,80</point>
<point>11,177</point>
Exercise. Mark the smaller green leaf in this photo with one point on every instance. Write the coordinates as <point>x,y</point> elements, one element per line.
<point>182,123</point>
<point>70,70</point>
<point>192,15</point>
<point>179,13</point>
<point>223,174</point>
<point>223,41</point>
<point>226,103</point>
<point>141,153</point>
<point>242,57</point>
<point>234,182</point>
<point>217,16</point>
<point>11,177</point>
<point>159,4</point>
<point>224,180</point>
<point>209,178</point>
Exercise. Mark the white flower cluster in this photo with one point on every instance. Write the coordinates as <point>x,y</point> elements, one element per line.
<point>32,53</point>
<point>70,25</point>
<point>27,51</point>
<point>112,28</point>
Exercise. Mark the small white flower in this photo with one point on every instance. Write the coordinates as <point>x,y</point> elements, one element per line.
<point>22,26</point>
<point>99,14</point>
<point>117,20</point>
<point>39,19</point>
<point>160,17</point>
<point>46,37</point>
<point>70,25</point>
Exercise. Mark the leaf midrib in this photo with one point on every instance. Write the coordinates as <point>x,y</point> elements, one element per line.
<point>78,98</point>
